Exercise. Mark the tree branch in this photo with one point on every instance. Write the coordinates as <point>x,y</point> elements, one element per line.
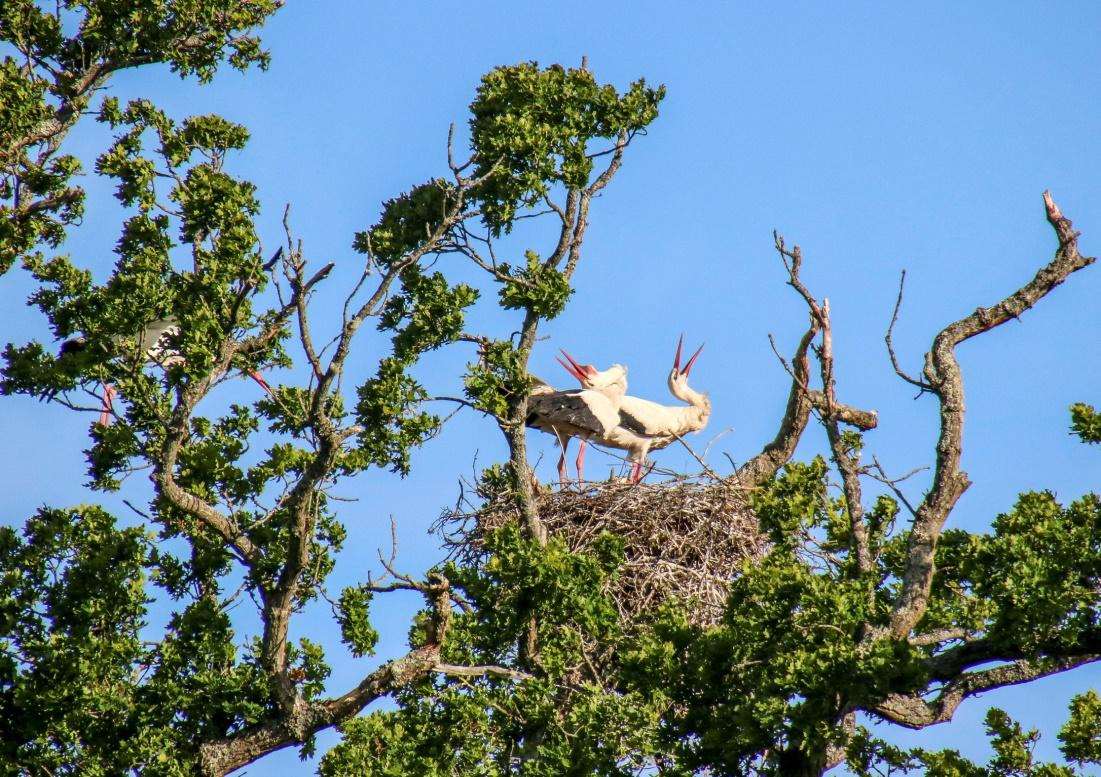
<point>302,719</point>
<point>943,374</point>
<point>912,711</point>
<point>794,421</point>
<point>797,413</point>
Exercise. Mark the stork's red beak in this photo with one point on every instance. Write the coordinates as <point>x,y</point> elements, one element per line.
<point>569,368</point>
<point>578,370</point>
<point>691,359</point>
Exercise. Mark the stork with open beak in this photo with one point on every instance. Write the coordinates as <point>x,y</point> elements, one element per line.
<point>154,343</point>
<point>589,412</point>
<point>645,426</point>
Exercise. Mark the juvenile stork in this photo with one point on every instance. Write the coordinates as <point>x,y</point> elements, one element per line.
<point>592,411</point>
<point>154,343</point>
<point>644,425</point>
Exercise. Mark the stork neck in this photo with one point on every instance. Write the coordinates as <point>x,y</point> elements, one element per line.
<point>696,415</point>
<point>614,393</point>
<point>688,395</point>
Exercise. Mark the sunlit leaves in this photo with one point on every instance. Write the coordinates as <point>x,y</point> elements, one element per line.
<point>427,313</point>
<point>407,222</point>
<point>1081,735</point>
<point>72,603</point>
<point>485,725</point>
<point>793,503</point>
<point>1085,422</point>
<point>536,287</point>
<point>388,413</point>
<point>46,90</point>
<point>1013,755</point>
<point>497,379</point>
<point>533,128</point>
<point>353,614</point>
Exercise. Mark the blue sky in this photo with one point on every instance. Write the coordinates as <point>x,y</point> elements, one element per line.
<point>879,137</point>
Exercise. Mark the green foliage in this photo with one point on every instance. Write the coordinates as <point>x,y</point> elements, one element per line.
<point>1081,735</point>
<point>537,287</point>
<point>72,604</point>
<point>1085,422</point>
<point>1013,748</point>
<point>559,724</point>
<point>794,503</point>
<point>45,90</point>
<point>391,424</point>
<point>532,128</point>
<point>80,689</point>
<point>355,621</point>
<point>562,685</point>
<point>407,222</point>
<point>427,314</point>
<point>86,684</point>
<point>499,378</point>
<point>211,300</point>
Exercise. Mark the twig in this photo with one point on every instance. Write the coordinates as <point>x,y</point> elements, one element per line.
<point>890,343</point>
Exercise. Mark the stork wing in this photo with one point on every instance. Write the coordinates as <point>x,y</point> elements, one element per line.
<point>153,340</point>
<point>154,330</point>
<point>587,410</point>
<point>643,416</point>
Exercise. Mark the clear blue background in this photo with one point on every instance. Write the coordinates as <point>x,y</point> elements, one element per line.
<point>876,136</point>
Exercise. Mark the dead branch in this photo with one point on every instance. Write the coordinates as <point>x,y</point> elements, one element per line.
<point>794,421</point>
<point>945,379</point>
<point>888,339</point>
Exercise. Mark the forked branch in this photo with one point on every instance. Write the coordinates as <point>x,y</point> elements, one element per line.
<point>945,380</point>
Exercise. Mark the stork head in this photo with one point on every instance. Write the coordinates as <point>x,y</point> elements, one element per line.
<point>615,377</point>
<point>678,376</point>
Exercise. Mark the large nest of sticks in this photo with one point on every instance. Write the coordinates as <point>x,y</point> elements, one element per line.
<point>683,539</point>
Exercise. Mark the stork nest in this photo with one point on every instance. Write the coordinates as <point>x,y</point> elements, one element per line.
<point>683,539</point>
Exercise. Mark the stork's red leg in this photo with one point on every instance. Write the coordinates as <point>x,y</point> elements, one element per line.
<point>563,476</point>
<point>636,472</point>
<point>580,462</point>
<point>108,404</point>
<point>263,383</point>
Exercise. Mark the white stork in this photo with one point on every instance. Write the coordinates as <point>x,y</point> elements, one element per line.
<point>644,425</point>
<point>592,411</point>
<point>154,343</point>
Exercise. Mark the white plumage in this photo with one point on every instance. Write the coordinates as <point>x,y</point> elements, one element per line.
<point>591,412</point>
<point>645,425</point>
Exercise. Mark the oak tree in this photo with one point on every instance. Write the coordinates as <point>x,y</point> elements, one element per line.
<point>520,662</point>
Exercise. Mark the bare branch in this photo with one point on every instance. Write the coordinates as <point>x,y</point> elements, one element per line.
<point>794,421</point>
<point>876,472</point>
<point>890,342</point>
<point>864,420</point>
<point>846,460</point>
<point>942,372</point>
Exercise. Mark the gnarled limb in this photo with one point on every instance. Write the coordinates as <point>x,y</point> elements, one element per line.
<point>945,380</point>
<point>864,420</point>
<point>223,756</point>
<point>797,412</point>
<point>304,718</point>
<point>802,399</point>
<point>913,711</point>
